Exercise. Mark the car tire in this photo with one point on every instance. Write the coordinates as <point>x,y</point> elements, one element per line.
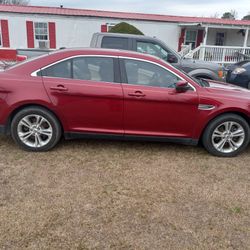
<point>35,129</point>
<point>226,136</point>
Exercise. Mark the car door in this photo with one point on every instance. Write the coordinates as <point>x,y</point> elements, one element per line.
<point>152,106</point>
<point>86,93</point>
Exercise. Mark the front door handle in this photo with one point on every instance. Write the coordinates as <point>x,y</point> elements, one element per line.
<point>137,94</point>
<point>60,88</point>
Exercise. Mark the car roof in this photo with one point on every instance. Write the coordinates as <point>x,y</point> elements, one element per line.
<point>57,55</point>
<point>104,51</point>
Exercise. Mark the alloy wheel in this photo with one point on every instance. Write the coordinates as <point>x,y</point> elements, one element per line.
<point>34,131</point>
<point>228,137</point>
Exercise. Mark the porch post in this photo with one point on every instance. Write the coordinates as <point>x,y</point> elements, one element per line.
<point>206,35</point>
<point>246,38</point>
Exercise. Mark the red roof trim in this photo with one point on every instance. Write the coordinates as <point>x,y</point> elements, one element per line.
<point>118,15</point>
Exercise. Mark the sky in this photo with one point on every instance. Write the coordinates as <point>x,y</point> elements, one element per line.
<point>207,8</point>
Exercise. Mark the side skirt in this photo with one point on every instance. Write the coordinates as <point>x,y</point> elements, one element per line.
<point>75,135</point>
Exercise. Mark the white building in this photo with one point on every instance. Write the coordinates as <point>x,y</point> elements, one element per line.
<point>46,27</point>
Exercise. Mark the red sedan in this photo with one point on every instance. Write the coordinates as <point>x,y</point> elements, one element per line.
<point>86,93</point>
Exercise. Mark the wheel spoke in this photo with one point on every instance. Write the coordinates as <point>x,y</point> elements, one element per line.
<point>221,144</point>
<point>238,133</point>
<point>38,141</point>
<point>25,122</point>
<point>217,133</point>
<point>228,126</point>
<point>39,120</point>
<point>24,136</point>
<point>47,132</point>
<point>233,145</point>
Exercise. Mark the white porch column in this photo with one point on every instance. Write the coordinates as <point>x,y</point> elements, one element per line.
<point>206,35</point>
<point>246,38</point>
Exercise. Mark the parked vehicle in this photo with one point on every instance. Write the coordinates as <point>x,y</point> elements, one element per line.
<point>153,46</point>
<point>239,74</point>
<point>96,93</point>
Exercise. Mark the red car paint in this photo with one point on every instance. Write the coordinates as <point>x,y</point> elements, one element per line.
<point>117,108</point>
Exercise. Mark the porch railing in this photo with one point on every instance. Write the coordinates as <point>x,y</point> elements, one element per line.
<point>185,49</point>
<point>220,54</point>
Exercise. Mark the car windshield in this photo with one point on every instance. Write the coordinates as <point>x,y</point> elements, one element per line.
<point>200,81</point>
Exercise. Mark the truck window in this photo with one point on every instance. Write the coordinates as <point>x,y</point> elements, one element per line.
<point>115,43</point>
<point>154,49</point>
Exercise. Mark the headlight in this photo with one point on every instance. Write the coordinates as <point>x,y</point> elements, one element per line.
<point>238,71</point>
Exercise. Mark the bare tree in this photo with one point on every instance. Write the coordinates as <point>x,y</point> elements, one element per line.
<point>16,2</point>
<point>215,15</point>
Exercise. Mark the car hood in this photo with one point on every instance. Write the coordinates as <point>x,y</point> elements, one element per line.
<point>238,64</point>
<point>200,64</point>
<point>228,90</point>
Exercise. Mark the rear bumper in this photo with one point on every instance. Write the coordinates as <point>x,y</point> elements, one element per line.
<point>2,129</point>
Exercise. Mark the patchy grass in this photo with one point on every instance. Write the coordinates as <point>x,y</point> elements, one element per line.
<point>123,195</point>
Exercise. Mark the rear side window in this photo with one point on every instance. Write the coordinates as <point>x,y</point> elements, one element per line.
<point>62,70</point>
<point>115,43</point>
<point>93,68</point>
<point>82,68</point>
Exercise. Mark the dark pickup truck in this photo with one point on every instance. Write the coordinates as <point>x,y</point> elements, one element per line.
<point>156,47</point>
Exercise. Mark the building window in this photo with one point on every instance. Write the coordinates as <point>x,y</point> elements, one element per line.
<point>191,38</point>
<point>41,35</point>
<point>110,26</point>
<point>41,31</point>
<point>220,39</point>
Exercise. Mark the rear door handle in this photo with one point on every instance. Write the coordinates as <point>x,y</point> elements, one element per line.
<point>137,94</point>
<point>59,88</point>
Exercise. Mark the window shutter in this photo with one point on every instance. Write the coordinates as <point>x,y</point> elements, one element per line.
<point>182,38</point>
<point>104,28</point>
<point>30,34</point>
<point>52,35</point>
<point>200,37</point>
<point>5,33</point>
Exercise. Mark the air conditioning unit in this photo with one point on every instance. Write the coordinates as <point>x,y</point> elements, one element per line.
<point>43,44</point>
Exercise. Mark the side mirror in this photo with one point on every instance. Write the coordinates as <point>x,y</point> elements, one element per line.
<point>172,58</point>
<point>182,86</point>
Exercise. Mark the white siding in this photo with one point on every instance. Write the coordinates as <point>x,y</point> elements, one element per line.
<point>77,31</point>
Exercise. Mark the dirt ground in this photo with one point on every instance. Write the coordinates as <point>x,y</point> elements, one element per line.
<point>123,195</point>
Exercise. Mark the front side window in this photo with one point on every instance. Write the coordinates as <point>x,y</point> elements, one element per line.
<point>149,48</point>
<point>155,50</point>
<point>148,74</point>
<point>82,68</point>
